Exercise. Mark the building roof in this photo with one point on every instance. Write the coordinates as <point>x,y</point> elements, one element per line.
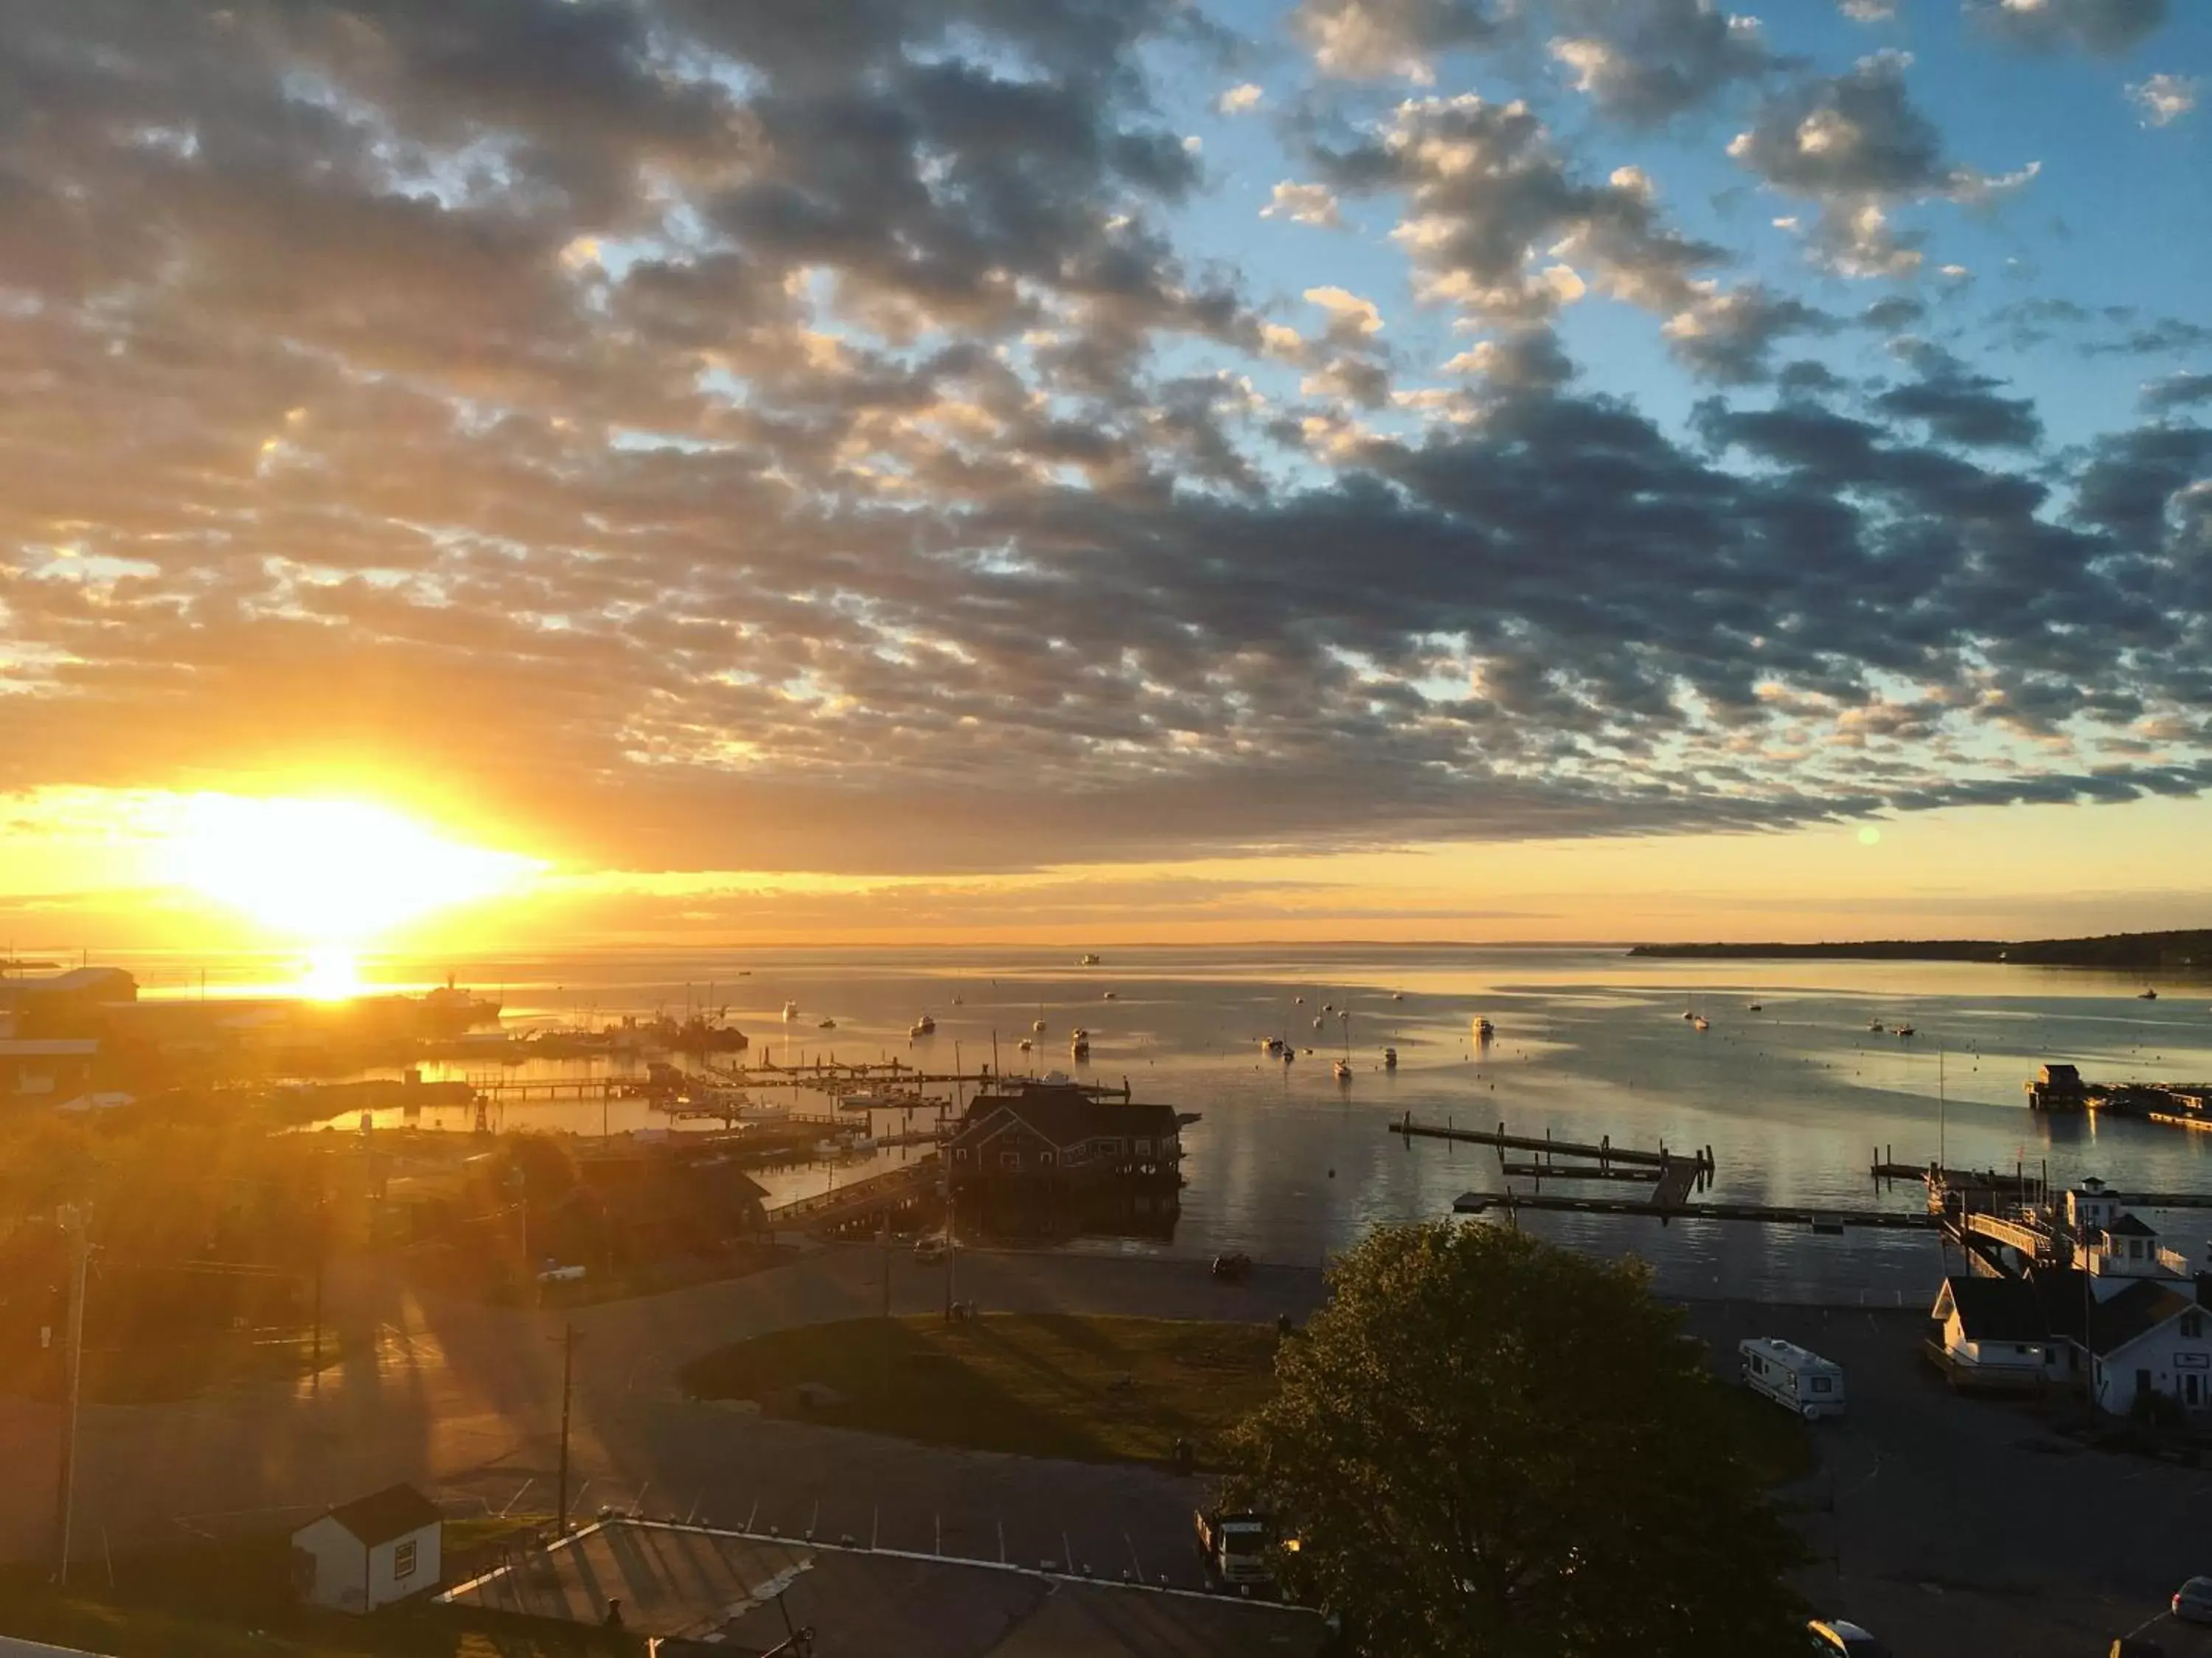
<point>49,1047</point>
<point>1997,1310</point>
<point>1066,1116</point>
<point>2131,1226</point>
<point>2139,1308</point>
<point>77,981</point>
<point>382,1515</point>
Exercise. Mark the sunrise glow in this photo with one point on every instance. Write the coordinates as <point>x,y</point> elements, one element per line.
<point>330,874</point>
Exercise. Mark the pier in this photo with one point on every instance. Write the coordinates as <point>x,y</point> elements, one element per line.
<point>862,1198</point>
<point>1819,1220</point>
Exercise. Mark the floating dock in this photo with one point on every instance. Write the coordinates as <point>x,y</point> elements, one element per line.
<point>1821,1220</point>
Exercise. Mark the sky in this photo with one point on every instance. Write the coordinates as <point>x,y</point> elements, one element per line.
<point>1102,470</point>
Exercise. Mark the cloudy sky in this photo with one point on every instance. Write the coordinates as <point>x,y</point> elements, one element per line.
<point>1446,468</point>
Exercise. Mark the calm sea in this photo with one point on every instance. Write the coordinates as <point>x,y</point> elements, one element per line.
<point>1289,1164</point>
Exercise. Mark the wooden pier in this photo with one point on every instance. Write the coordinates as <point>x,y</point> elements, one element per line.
<point>1475,1202</point>
<point>863,1197</point>
<point>1605,1154</point>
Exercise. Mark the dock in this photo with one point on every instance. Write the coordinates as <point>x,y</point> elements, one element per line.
<point>864,1197</point>
<point>1475,1203</point>
<point>1605,1156</point>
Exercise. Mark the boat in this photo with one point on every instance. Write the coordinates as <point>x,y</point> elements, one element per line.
<point>924,1026</point>
<point>825,1024</point>
<point>1079,1047</point>
<point>1300,999</point>
<point>1755,1007</point>
<point>1087,961</point>
<point>790,1013</point>
<point>1289,1054</point>
<point>1341,1069</point>
<point>1905,1030</point>
<point>1080,1034</point>
<point>1026,1044</point>
<point>2147,995</point>
<point>957,1000</point>
<point>1688,1013</point>
<point>1701,1023</point>
<point>450,1005</point>
<point>1397,996</point>
<point>1038,1027</point>
<point>1113,996</point>
<point>1329,1007</point>
<point>1316,1022</point>
<point>1877,1027</point>
<point>1484,1030</point>
<point>1272,1044</point>
<point>864,1099</point>
<point>1389,1059</point>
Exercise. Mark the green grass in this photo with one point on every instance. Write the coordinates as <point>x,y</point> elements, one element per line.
<point>1090,1389</point>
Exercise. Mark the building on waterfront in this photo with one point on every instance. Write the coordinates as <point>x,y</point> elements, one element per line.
<point>369,1553</point>
<point>1061,1133</point>
<point>46,1070</point>
<point>1991,1332</point>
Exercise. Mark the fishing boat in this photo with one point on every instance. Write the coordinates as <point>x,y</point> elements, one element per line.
<point>924,1026</point>
<point>2147,995</point>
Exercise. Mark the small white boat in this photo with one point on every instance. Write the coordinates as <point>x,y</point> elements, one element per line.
<point>1397,996</point>
<point>1113,996</point>
<point>1087,961</point>
<point>1080,1034</point>
<point>1389,1059</point>
<point>1484,1030</point>
<point>1316,1022</point>
<point>790,1012</point>
<point>957,1000</point>
<point>1688,1013</point>
<point>1026,1044</point>
<point>1905,1030</point>
<point>924,1026</point>
<point>1329,1007</point>
<point>1038,1027</point>
<point>1701,1024</point>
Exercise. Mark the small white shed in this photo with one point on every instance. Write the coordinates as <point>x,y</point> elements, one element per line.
<point>369,1553</point>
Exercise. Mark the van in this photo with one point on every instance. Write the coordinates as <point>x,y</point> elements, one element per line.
<point>1792,1377</point>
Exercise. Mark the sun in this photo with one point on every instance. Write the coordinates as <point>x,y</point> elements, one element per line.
<point>330,874</point>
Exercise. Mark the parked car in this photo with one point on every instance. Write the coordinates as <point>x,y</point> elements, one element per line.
<point>1232,1269</point>
<point>1842,1640</point>
<point>2192,1601</point>
<point>931,1250</point>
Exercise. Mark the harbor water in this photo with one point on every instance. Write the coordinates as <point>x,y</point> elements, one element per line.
<point>1288,1163</point>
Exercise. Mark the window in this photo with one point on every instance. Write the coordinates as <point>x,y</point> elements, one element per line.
<point>1044,1158</point>
<point>1010,1160</point>
<point>2021,1347</point>
<point>2192,1325</point>
<point>1821,1385</point>
<point>403,1559</point>
<point>1143,1147</point>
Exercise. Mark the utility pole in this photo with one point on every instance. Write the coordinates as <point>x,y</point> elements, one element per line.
<point>568,1383</point>
<point>951,1246</point>
<point>315,1373</point>
<point>73,1220</point>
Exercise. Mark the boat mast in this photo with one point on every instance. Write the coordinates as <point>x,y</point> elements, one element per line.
<point>1940,1113</point>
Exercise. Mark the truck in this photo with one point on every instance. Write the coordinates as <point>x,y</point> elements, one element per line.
<point>1793,1377</point>
<point>1234,1548</point>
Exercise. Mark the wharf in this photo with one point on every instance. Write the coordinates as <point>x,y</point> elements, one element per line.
<point>863,1197</point>
<point>1475,1202</point>
<point>1606,1155</point>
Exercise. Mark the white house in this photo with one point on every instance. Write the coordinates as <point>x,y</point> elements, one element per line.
<point>370,1553</point>
<point>1992,1332</point>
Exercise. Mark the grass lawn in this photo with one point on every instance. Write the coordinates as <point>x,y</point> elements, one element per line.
<point>1090,1389</point>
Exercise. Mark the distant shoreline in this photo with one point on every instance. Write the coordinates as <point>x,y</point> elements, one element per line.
<point>2117,952</point>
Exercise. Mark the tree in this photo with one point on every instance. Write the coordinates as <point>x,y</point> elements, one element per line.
<point>1484,1445</point>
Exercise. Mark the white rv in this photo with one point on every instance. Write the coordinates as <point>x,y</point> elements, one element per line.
<point>1797,1380</point>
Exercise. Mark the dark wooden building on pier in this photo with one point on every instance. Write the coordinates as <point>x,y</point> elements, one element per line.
<point>1061,1134</point>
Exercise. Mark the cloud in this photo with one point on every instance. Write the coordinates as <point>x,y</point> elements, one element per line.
<point>1498,224</point>
<point>704,437</point>
<point>1855,144</point>
<point>1304,204</point>
<point>1370,39</point>
<point>1240,99</point>
<point>1869,11</point>
<point>2177,392</point>
<point>2163,100</point>
<point>1646,61</point>
<point>2098,26</point>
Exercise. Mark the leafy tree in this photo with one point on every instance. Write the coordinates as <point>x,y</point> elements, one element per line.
<point>1488,1446</point>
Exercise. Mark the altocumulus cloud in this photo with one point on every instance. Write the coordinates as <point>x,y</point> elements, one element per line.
<point>803,436</point>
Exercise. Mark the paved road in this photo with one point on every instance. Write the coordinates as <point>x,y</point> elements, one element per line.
<point>1951,1526</point>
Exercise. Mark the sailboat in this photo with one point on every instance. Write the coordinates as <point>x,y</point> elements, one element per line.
<point>1342,1068</point>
